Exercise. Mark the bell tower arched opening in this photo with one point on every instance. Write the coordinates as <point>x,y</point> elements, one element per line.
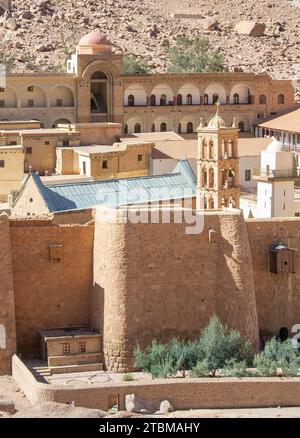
<point>99,93</point>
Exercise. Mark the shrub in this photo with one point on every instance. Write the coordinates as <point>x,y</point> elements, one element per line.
<point>220,344</point>
<point>127,377</point>
<point>234,368</point>
<point>155,360</point>
<point>276,355</point>
<point>201,369</point>
<point>192,56</point>
<point>134,66</point>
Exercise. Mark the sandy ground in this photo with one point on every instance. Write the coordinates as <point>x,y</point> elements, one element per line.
<point>9,390</point>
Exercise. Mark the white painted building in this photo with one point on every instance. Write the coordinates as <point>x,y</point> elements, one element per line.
<point>276,178</point>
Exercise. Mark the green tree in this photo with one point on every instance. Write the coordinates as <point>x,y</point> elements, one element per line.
<point>220,345</point>
<point>194,56</point>
<point>132,65</point>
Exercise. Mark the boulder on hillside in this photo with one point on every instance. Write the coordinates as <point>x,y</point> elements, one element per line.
<point>250,28</point>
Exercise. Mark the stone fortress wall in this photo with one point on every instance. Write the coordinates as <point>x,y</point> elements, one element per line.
<point>137,282</point>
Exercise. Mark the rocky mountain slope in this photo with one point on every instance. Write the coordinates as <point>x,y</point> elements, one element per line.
<point>40,34</point>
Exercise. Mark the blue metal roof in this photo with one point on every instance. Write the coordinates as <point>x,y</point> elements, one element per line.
<point>181,183</point>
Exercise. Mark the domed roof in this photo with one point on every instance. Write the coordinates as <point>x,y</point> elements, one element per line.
<point>217,121</point>
<point>94,39</point>
<point>275,146</point>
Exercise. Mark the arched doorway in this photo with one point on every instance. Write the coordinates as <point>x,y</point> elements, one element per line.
<point>179,99</point>
<point>241,126</point>
<point>152,100</point>
<point>189,128</point>
<point>131,100</point>
<point>163,127</point>
<point>99,93</point>
<point>137,128</point>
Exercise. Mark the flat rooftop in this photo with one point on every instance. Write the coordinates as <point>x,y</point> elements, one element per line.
<point>67,332</point>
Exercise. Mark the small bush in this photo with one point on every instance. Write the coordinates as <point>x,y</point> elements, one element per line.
<point>201,369</point>
<point>234,368</point>
<point>127,377</point>
<point>276,355</point>
<point>134,66</point>
<point>155,360</point>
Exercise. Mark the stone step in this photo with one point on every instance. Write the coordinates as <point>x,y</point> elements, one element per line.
<point>76,368</point>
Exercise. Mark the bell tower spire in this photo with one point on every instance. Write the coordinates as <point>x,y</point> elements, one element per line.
<point>217,165</point>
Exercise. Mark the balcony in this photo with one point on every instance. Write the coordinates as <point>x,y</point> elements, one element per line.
<point>267,174</point>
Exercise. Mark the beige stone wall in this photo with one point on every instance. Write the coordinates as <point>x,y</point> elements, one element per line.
<point>122,164</point>
<point>11,174</point>
<point>7,301</point>
<point>49,293</point>
<point>277,295</point>
<point>155,281</point>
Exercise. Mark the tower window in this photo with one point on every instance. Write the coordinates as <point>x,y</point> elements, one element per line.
<point>82,347</point>
<point>30,89</point>
<point>2,163</point>
<point>66,348</point>
<point>140,157</point>
<point>30,103</point>
<point>66,143</point>
<point>104,164</point>
<point>2,103</point>
<point>2,90</point>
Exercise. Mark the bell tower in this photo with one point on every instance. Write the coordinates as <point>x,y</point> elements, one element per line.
<point>217,165</point>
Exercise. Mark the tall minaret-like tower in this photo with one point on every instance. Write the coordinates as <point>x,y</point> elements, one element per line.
<point>217,165</point>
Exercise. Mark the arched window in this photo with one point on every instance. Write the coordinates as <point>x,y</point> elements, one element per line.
<point>205,204</point>
<point>179,128</point>
<point>153,127</point>
<point>205,99</point>
<point>131,100</point>
<point>99,92</point>
<point>211,204</point>
<point>215,98</point>
<point>179,99</point>
<point>236,99</point>
<point>280,99</point>
<point>126,129</point>
<point>189,99</point>
<point>152,100</point>
<point>137,128</point>
<point>189,128</point>
<point>262,99</point>
<point>241,126</point>
<point>163,100</point>
<point>163,127</point>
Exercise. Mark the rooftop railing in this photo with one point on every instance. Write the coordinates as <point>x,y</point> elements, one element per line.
<point>279,173</point>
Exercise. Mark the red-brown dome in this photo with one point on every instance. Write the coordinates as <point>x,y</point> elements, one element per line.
<point>94,39</point>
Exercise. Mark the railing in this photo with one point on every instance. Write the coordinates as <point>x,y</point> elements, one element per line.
<point>280,173</point>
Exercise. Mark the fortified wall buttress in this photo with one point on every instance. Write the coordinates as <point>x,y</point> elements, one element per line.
<point>156,282</point>
<point>7,301</point>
